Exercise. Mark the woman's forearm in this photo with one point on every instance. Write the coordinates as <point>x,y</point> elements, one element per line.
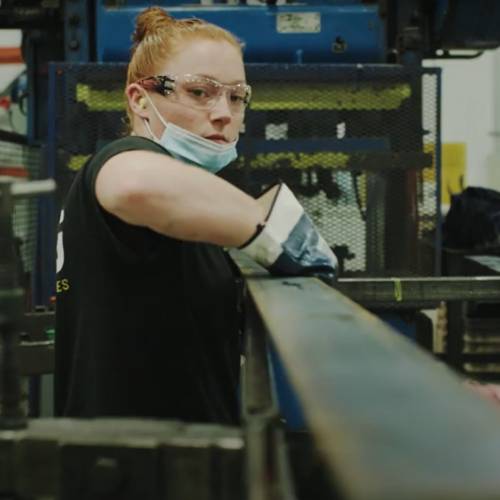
<point>177,200</point>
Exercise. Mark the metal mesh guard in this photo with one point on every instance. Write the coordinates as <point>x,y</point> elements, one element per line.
<point>357,145</point>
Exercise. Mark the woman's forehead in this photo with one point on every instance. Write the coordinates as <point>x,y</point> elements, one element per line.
<point>216,59</point>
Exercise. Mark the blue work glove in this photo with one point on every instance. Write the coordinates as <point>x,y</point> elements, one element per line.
<point>288,243</point>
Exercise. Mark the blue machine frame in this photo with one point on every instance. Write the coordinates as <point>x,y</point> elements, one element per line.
<point>346,32</point>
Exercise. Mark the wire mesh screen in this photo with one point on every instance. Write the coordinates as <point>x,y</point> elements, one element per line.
<point>20,163</point>
<point>357,144</point>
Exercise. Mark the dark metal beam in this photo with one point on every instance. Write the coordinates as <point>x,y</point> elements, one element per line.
<point>35,325</point>
<point>412,293</point>
<point>36,358</point>
<point>420,292</point>
<point>390,421</point>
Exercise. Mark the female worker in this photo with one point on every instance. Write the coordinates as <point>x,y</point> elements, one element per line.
<point>146,302</point>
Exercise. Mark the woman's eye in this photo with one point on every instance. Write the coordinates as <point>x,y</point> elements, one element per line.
<point>197,92</point>
<point>238,98</point>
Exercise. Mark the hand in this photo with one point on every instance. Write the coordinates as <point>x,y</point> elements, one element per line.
<point>288,243</point>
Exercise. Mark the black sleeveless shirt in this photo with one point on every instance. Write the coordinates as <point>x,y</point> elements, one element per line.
<point>146,325</point>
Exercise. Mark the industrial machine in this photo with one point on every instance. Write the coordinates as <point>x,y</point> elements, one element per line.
<point>344,112</point>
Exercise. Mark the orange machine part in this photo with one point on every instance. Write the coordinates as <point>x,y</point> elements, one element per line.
<point>10,55</point>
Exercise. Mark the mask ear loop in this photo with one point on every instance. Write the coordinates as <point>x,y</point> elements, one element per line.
<point>148,128</point>
<point>158,115</point>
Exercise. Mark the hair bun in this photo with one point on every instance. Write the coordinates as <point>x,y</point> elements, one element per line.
<point>150,21</point>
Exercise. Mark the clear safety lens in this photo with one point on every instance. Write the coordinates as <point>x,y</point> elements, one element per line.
<point>201,92</point>
<point>205,93</point>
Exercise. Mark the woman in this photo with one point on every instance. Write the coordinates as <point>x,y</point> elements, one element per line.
<point>146,304</point>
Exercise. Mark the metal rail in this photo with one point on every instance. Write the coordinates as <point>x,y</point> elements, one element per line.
<point>389,420</point>
<point>419,292</point>
<point>267,467</point>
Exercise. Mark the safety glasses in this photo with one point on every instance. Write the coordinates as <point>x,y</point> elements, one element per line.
<point>199,91</point>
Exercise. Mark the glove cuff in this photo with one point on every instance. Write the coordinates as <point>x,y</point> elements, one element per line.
<point>283,214</point>
<point>254,236</point>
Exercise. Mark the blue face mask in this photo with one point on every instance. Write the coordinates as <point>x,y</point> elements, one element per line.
<point>192,148</point>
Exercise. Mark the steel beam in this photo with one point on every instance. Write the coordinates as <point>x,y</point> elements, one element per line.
<point>390,421</point>
<point>419,292</point>
<point>411,293</point>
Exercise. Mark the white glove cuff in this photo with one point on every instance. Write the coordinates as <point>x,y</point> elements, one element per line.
<point>284,212</point>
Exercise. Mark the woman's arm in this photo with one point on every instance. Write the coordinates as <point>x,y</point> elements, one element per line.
<point>148,189</point>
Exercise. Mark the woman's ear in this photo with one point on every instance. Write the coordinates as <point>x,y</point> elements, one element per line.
<point>136,100</point>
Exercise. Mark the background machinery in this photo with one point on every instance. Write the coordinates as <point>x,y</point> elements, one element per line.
<point>343,111</point>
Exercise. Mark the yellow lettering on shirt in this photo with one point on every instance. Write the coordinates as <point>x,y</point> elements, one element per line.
<point>62,285</point>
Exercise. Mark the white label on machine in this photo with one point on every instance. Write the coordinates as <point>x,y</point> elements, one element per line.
<point>298,22</point>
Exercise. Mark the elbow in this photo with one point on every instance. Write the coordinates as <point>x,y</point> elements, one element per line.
<point>130,192</point>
